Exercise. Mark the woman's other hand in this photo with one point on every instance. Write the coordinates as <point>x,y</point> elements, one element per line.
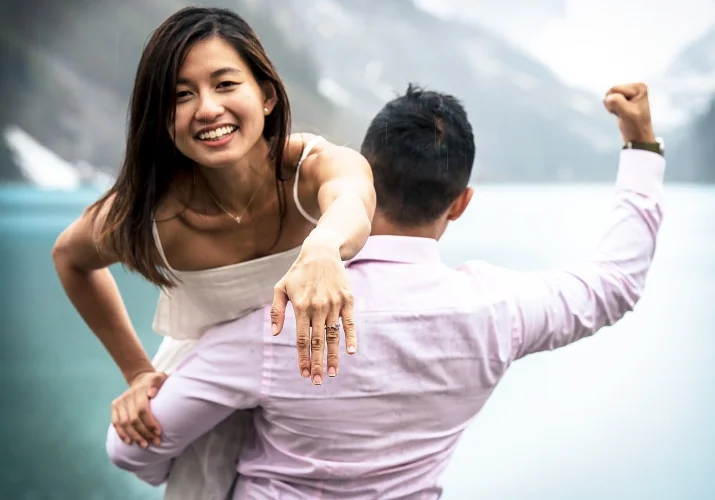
<point>131,414</point>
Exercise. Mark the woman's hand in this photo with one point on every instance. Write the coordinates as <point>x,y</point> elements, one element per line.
<point>131,415</point>
<point>317,285</point>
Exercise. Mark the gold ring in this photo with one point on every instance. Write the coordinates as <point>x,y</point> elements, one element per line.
<point>336,326</point>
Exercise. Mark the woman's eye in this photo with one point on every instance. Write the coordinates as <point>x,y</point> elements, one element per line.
<point>224,85</point>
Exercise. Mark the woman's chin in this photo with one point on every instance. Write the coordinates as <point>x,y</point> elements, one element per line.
<point>224,159</point>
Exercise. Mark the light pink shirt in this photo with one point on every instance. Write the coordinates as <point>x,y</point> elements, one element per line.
<point>433,344</point>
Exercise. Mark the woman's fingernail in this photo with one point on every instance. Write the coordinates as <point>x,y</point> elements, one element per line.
<point>351,349</point>
<point>306,372</point>
<point>331,371</point>
<point>317,380</point>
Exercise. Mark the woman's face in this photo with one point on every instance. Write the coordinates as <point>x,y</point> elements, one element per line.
<point>220,107</point>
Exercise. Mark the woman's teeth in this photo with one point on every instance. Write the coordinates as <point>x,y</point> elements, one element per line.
<point>216,133</point>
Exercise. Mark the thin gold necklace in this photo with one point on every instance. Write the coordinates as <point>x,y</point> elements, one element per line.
<point>236,218</point>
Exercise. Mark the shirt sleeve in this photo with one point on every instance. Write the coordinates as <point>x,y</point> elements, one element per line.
<point>551,309</point>
<point>221,375</point>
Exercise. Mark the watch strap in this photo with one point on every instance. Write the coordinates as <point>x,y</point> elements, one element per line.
<point>655,147</point>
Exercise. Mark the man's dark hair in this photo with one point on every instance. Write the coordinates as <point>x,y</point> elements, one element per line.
<point>421,149</point>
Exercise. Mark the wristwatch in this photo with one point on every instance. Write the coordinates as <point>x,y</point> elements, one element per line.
<point>657,147</point>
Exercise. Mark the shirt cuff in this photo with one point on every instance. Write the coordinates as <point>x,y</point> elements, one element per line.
<point>642,172</point>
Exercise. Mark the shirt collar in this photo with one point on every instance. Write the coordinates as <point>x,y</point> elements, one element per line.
<point>400,249</point>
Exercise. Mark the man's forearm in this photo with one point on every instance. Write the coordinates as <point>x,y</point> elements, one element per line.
<point>150,468</point>
<point>186,407</point>
<point>196,397</point>
<point>556,308</point>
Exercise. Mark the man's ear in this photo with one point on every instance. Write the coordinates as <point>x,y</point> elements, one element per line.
<point>460,204</point>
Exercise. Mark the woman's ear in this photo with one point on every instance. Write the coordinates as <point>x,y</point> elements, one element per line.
<point>270,98</point>
<point>171,127</point>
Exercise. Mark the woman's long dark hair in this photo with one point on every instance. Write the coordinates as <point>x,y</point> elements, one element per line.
<point>151,160</point>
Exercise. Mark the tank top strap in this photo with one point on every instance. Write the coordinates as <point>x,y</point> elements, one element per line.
<point>306,151</point>
<point>157,242</point>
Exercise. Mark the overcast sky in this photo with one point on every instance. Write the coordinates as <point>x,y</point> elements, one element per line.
<point>593,43</point>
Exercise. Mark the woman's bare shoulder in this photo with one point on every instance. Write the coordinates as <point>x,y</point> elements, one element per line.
<point>296,145</point>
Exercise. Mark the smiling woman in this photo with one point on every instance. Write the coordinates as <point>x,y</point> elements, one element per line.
<point>191,212</point>
<point>204,93</point>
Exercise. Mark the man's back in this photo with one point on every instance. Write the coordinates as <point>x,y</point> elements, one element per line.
<point>434,343</point>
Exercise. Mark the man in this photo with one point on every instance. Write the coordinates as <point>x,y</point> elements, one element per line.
<point>435,341</point>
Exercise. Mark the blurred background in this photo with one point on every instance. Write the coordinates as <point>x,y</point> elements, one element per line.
<point>626,414</point>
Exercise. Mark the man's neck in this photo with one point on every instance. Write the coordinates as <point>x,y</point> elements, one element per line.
<point>381,226</point>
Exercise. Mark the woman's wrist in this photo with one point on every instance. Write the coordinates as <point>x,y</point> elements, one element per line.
<point>325,238</point>
<point>134,372</point>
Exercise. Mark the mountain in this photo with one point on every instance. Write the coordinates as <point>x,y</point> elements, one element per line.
<point>690,81</point>
<point>8,173</point>
<point>528,125</point>
<point>704,138</point>
<point>72,67</point>
<point>694,155</point>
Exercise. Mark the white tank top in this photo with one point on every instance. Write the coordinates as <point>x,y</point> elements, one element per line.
<point>205,298</point>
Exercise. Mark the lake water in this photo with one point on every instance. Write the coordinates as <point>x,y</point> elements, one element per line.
<point>627,414</point>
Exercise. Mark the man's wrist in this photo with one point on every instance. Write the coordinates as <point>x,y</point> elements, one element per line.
<point>655,146</point>
<point>643,134</point>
